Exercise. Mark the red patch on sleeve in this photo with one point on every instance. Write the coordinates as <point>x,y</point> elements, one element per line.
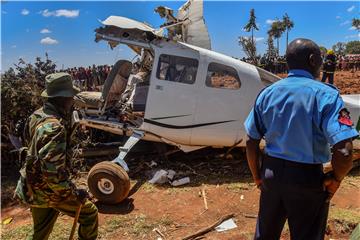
<point>344,117</point>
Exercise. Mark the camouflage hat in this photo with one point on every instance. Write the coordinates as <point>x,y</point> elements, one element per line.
<point>59,85</point>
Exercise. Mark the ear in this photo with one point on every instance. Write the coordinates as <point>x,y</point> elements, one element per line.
<point>312,60</point>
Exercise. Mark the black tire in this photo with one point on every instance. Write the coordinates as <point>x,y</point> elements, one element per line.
<point>108,182</point>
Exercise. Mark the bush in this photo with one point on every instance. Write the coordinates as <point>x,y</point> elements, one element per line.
<point>20,94</point>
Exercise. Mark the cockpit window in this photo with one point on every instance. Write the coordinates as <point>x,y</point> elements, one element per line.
<point>267,77</point>
<point>177,69</point>
<point>222,76</point>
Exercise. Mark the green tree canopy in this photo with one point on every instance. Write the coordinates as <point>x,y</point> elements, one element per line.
<point>288,24</point>
<point>356,23</point>
<point>352,47</point>
<point>276,30</point>
<point>251,25</point>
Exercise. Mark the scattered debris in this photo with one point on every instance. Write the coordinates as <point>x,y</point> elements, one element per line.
<point>7,221</point>
<point>159,177</point>
<point>162,236</point>
<point>171,174</point>
<point>249,215</point>
<point>242,197</point>
<point>203,193</point>
<point>226,225</point>
<point>162,176</point>
<point>153,164</point>
<point>208,229</point>
<point>181,181</point>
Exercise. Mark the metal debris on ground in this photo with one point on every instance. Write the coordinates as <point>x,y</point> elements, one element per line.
<point>203,193</point>
<point>226,225</point>
<point>181,181</point>
<point>162,176</point>
<point>159,177</point>
<point>208,229</point>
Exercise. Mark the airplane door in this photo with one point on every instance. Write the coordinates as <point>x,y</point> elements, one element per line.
<point>172,95</point>
<point>219,104</point>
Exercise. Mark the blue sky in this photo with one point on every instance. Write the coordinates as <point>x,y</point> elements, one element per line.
<point>66,29</point>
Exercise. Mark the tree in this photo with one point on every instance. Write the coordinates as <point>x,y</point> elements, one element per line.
<point>356,23</point>
<point>339,48</point>
<point>20,92</point>
<point>249,47</point>
<point>276,31</point>
<point>352,47</point>
<point>288,24</point>
<point>251,25</point>
<point>323,50</point>
<point>270,51</point>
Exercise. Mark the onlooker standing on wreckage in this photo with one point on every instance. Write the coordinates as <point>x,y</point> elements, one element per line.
<point>329,67</point>
<point>45,177</point>
<point>298,117</point>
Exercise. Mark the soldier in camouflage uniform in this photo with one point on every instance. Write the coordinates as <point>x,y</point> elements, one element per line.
<point>45,177</point>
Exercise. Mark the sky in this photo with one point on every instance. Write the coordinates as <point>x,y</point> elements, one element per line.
<point>65,30</point>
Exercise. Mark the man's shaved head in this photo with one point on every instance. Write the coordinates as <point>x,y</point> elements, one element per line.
<point>304,54</point>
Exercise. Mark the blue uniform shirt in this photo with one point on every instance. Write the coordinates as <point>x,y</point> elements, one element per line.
<point>298,117</point>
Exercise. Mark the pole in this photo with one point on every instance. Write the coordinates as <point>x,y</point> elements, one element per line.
<point>77,215</point>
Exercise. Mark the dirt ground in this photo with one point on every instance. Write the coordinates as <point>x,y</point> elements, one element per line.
<point>179,211</point>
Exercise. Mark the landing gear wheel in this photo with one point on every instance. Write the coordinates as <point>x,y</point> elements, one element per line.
<point>108,182</point>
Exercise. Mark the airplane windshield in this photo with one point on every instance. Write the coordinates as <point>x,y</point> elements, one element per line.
<point>267,77</point>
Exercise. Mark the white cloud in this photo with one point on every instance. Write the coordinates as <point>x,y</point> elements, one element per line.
<point>270,21</point>
<point>13,46</point>
<point>60,13</point>
<point>49,41</point>
<point>258,39</point>
<point>352,28</point>
<point>45,30</point>
<point>25,12</point>
<point>338,17</point>
<point>345,23</point>
<point>353,36</point>
<point>350,9</point>
<point>27,30</point>
<point>4,12</point>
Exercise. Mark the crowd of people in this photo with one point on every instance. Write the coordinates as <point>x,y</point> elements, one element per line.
<point>348,62</point>
<point>87,78</point>
<point>277,64</point>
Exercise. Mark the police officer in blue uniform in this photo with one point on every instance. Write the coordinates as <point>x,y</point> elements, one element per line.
<point>300,119</point>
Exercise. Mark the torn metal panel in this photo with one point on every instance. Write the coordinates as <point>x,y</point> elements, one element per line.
<point>195,31</point>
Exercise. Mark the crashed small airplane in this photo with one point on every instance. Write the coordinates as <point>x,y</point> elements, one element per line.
<point>177,92</point>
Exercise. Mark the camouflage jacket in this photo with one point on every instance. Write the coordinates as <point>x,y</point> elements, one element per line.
<point>47,169</point>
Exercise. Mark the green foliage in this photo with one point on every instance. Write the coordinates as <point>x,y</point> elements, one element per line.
<point>356,23</point>
<point>288,25</point>
<point>323,50</point>
<point>277,29</point>
<point>20,93</point>
<point>271,50</point>
<point>249,47</point>
<point>251,25</point>
<point>352,47</point>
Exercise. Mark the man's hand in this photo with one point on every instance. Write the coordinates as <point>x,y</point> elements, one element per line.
<point>258,183</point>
<point>81,195</point>
<point>252,154</point>
<point>331,185</point>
